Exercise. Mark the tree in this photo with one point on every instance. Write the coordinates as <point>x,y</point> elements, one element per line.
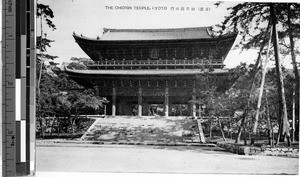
<point>251,19</point>
<point>243,93</point>
<point>264,71</point>
<point>209,93</point>
<point>75,103</point>
<point>281,94</point>
<point>45,14</point>
<point>290,19</point>
<point>63,97</point>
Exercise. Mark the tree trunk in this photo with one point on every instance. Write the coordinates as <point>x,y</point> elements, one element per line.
<point>296,73</point>
<point>245,134</point>
<point>279,137</point>
<point>285,123</point>
<point>201,134</point>
<point>39,79</point>
<point>220,125</point>
<point>241,128</point>
<point>40,73</point>
<point>58,126</point>
<point>264,71</point>
<point>270,128</point>
<point>253,76</point>
<point>293,120</point>
<point>211,127</point>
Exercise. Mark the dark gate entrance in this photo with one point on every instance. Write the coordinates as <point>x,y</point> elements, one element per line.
<point>180,110</point>
<point>156,110</point>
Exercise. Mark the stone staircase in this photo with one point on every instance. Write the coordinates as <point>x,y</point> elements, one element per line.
<point>143,129</point>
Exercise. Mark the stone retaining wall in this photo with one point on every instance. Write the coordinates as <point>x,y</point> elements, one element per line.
<point>247,150</point>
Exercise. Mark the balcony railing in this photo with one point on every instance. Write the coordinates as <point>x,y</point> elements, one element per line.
<point>132,63</point>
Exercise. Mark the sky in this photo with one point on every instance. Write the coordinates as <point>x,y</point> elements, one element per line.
<point>89,17</point>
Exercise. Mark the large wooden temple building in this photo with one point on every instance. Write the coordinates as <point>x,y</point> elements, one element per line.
<point>151,71</point>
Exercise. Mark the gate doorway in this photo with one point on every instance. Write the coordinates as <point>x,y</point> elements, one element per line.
<point>180,110</point>
<point>156,110</point>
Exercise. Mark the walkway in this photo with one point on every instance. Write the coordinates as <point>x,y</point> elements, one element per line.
<point>157,159</point>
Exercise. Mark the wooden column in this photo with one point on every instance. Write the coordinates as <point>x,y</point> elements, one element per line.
<point>120,107</point>
<point>114,95</point>
<point>167,101</point>
<point>96,89</point>
<point>193,105</point>
<point>140,102</point>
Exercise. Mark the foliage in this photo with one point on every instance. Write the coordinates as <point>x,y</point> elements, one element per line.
<point>79,63</point>
<point>62,97</point>
<point>46,13</point>
<point>235,100</point>
<point>77,66</point>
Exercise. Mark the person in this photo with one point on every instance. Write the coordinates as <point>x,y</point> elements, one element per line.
<point>134,111</point>
<point>152,111</point>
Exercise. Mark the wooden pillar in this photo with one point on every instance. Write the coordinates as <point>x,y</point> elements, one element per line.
<point>140,102</point>
<point>167,101</point>
<point>114,95</point>
<point>200,111</point>
<point>96,89</point>
<point>193,105</point>
<point>120,107</point>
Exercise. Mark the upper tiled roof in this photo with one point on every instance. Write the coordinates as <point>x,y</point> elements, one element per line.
<point>156,34</point>
<point>145,72</point>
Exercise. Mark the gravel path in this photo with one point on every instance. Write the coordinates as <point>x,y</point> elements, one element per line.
<point>157,159</point>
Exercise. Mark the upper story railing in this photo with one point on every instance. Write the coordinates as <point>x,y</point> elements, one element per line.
<point>158,63</point>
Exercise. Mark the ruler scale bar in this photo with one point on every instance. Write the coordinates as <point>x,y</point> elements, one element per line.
<point>8,125</point>
<point>18,96</point>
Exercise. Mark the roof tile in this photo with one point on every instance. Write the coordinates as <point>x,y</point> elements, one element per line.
<point>156,34</point>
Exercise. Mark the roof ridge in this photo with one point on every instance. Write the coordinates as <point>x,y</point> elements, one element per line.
<point>154,29</point>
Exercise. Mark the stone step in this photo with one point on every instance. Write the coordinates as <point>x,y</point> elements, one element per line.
<point>152,129</point>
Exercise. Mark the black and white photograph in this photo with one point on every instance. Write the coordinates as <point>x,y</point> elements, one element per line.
<point>160,87</point>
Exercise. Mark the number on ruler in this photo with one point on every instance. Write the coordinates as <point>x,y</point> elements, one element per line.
<point>13,140</point>
<point>9,8</point>
<point>10,83</point>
